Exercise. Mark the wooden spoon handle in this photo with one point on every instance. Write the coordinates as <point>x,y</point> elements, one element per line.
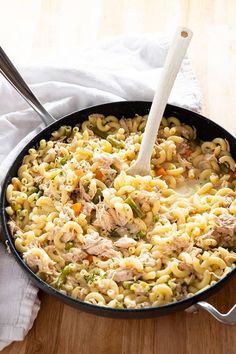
<point>171,68</point>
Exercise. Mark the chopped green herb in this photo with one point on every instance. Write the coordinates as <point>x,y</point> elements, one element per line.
<point>114,167</point>
<point>136,209</point>
<point>33,190</point>
<point>97,196</point>
<point>40,193</point>
<point>99,132</point>
<point>94,276</point>
<point>64,273</point>
<point>55,174</point>
<point>224,168</point>
<point>116,143</point>
<point>141,234</point>
<point>142,130</point>
<point>42,276</point>
<point>69,245</point>
<point>86,185</point>
<point>127,284</point>
<point>18,207</point>
<point>114,233</point>
<point>155,218</point>
<point>63,161</point>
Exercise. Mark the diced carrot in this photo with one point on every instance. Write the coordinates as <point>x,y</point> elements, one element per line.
<point>15,186</point>
<point>79,174</point>
<point>90,258</point>
<point>160,171</point>
<point>104,258</point>
<point>77,207</point>
<point>188,152</point>
<point>149,188</point>
<point>233,175</point>
<point>99,175</point>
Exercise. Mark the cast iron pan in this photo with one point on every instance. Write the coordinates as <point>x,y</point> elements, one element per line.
<point>206,130</point>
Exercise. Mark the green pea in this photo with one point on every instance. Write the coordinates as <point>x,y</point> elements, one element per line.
<point>63,161</point>
<point>155,218</point>
<point>140,235</point>
<point>69,245</point>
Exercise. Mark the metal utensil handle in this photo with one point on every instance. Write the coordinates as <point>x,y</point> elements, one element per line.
<point>228,318</point>
<point>9,71</point>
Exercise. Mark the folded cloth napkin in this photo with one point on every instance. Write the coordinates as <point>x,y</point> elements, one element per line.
<point>119,69</point>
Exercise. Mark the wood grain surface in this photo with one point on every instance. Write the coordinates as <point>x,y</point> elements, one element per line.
<point>30,32</point>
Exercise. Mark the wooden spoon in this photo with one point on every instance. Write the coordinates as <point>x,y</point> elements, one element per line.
<point>171,68</point>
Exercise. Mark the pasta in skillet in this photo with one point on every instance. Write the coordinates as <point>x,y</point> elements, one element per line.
<point>95,233</point>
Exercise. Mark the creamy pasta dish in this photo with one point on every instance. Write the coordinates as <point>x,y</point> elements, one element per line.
<point>97,234</point>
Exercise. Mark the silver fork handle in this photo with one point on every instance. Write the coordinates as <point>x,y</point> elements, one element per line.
<point>9,71</point>
<point>228,318</point>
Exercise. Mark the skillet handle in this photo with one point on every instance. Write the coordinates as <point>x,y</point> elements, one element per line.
<point>228,318</point>
<point>8,70</point>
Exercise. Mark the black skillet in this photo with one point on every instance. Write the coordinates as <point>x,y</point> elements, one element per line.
<point>206,130</point>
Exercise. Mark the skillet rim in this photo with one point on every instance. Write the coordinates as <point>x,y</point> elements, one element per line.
<point>97,309</point>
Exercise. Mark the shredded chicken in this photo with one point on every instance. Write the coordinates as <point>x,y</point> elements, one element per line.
<point>177,244</point>
<point>196,251</point>
<point>103,218</point>
<point>83,194</point>
<point>143,304</point>
<point>13,227</point>
<point>124,123</point>
<point>187,134</point>
<point>181,291</point>
<point>119,219</point>
<point>37,257</point>
<point>125,242</point>
<point>50,156</point>
<point>182,147</point>
<point>147,260</point>
<point>75,255</point>
<point>133,229</point>
<point>226,225</point>
<point>185,163</point>
<point>106,160</point>
<point>185,266</point>
<point>223,231</point>
<point>121,274</point>
<point>87,208</point>
<point>206,161</point>
<point>229,198</point>
<point>99,246</point>
<point>224,184</point>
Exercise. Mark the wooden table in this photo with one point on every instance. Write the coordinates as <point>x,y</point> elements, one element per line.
<point>55,26</point>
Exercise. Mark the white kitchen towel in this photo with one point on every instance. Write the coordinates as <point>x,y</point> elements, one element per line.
<point>119,69</point>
